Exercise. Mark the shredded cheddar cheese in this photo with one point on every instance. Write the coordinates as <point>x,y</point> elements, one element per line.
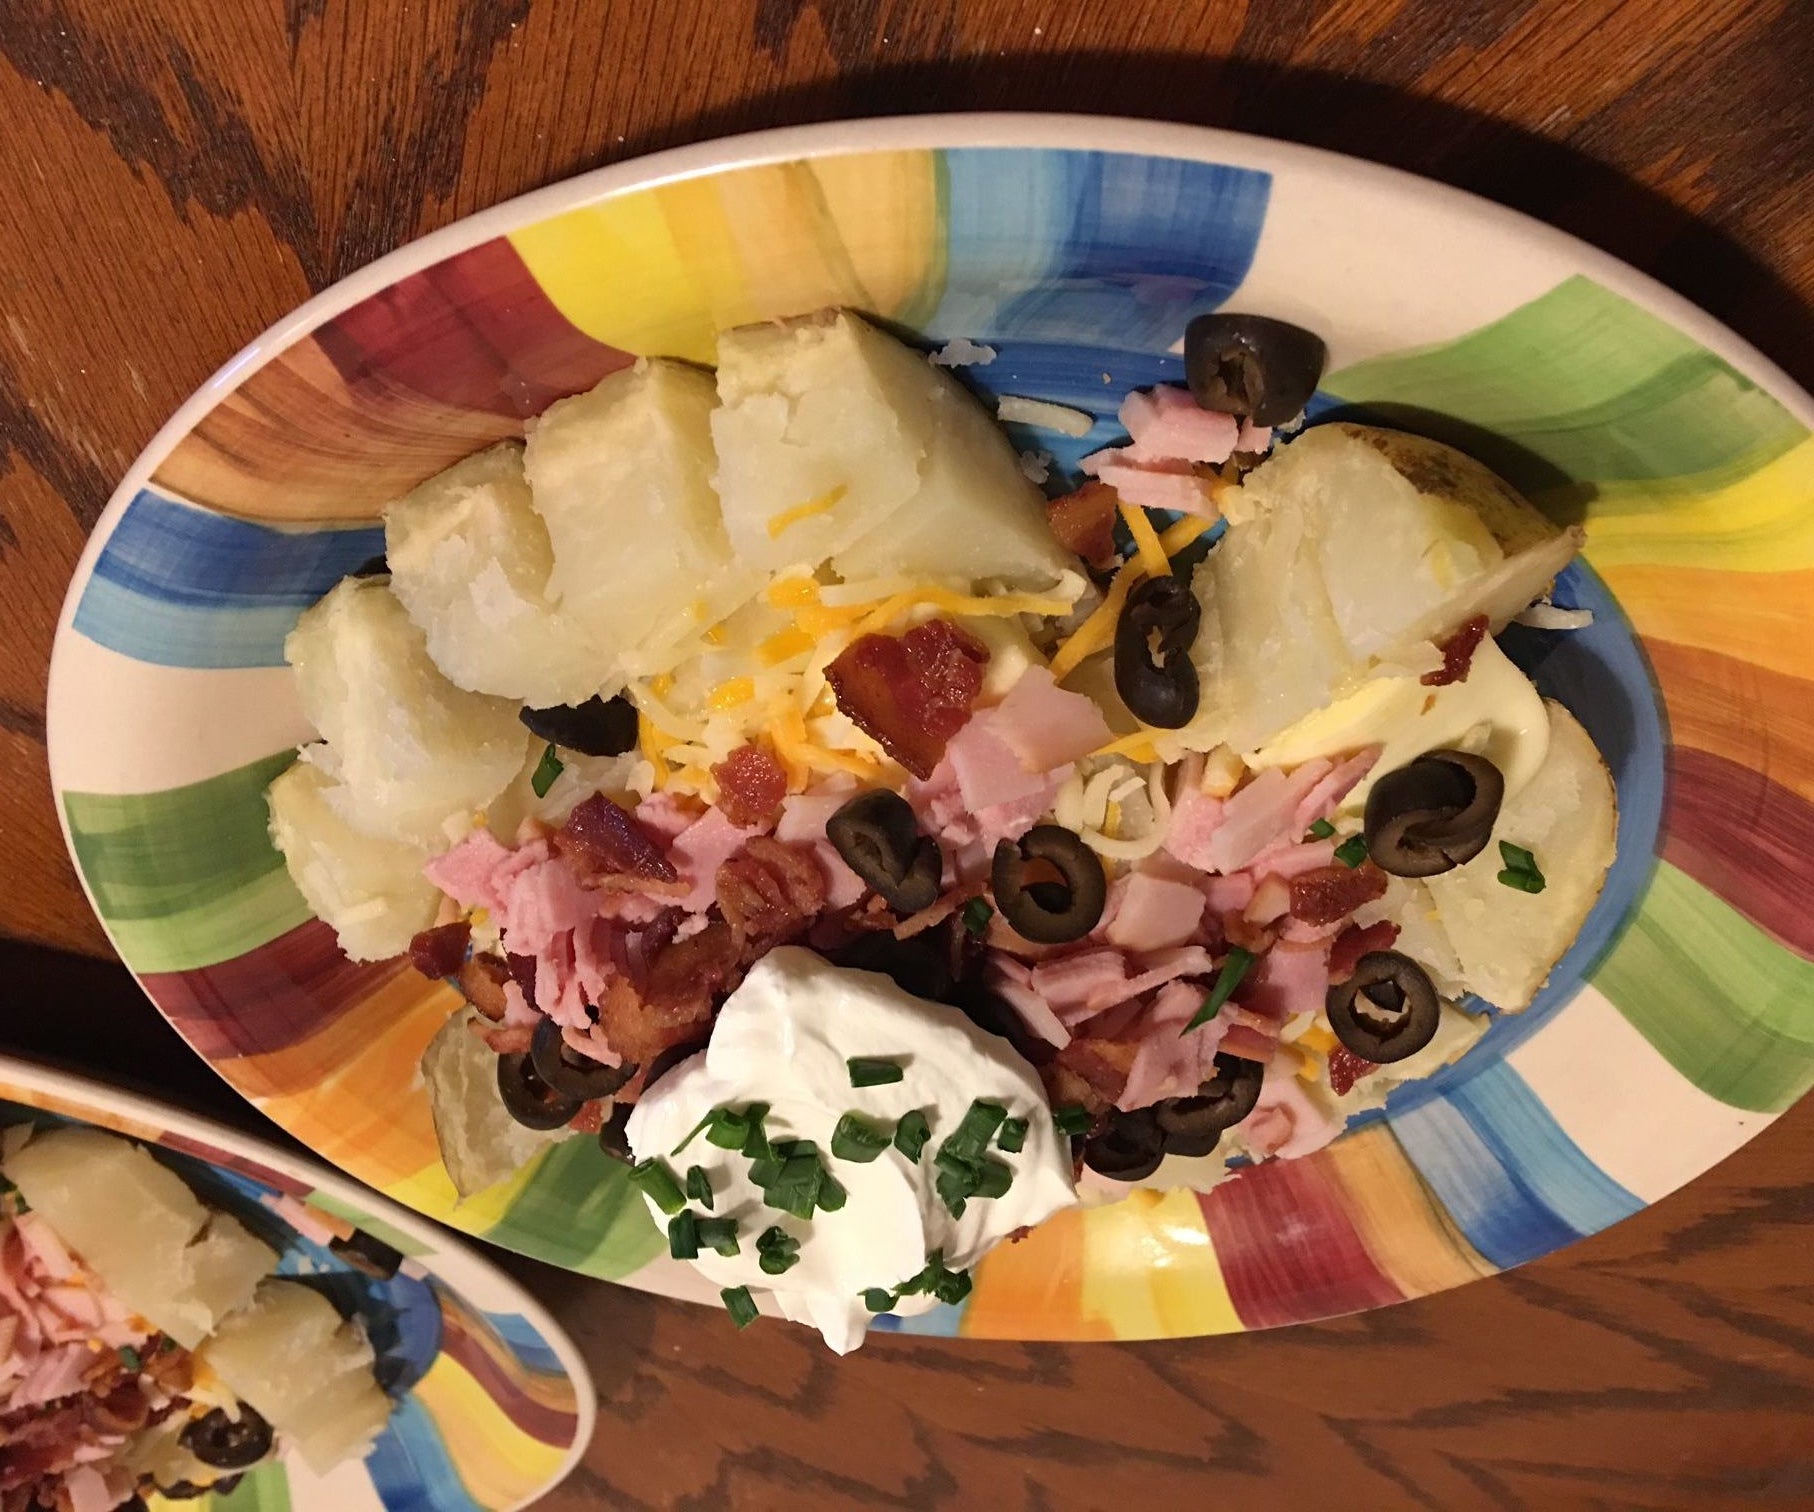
<point>787,518</point>
<point>1148,549</point>
<point>794,592</point>
<point>784,645</point>
<point>730,693</point>
<point>1136,747</point>
<point>1097,633</point>
<point>1180,533</point>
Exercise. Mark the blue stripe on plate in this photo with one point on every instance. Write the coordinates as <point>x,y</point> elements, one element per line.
<point>527,1343</point>
<point>1107,249</point>
<point>180,586</point>
<point>942,1322</point>
<point>410,1467</point>
<point>1513,1181</point>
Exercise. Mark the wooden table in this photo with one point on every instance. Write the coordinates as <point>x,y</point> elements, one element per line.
<point>175,174</point>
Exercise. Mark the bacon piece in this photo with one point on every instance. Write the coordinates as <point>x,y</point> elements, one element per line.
<point>1346,1068</point>
<point>751,786</point>
<point>1084,522</point>
<point>769,891</point>
<point>590,1118</point>
<point>607,839</point>
<point>688,972</point>
<point>1333,892</point>
<point>441,951</point>
<point>481,982</point>
<point>504,1039</point>
<point>1238,929</point>
<point>646,1031</point>
<point>1102,1065</point>
<point>1354,942</point>
<point>1457,654</point>
<point>913,692</point>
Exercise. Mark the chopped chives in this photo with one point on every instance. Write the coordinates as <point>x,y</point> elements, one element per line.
<point>129,1357</point>
<point>694,1133</point>
<point>728,1130</point>
<point>873,1071</point>
<point>546,770</point>
<point>1321,830</point>
<point>955,1186</point>
<point>718,1234</point>
<point>656,1182</point>
<point>777,1251</point>
<point>975,1129</point>
<point>699,1186</point>
<point>976,916</point>
<point>739,1304</point>
<point>1072,1119</point>
<point>1521,870</point>
<point>755,1143</point>
<point>911,1134</point>
<point>1229,978</point>
<point>1012,1137</point>
<point>683,1235</point>
<point>878,1299</point>
<point>858,1138</point>
<point>993,1178</point>
<point>1352,851</point>
<point>831,1195</point>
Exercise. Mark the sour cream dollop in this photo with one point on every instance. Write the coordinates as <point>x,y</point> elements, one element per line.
<point>785,1038</point>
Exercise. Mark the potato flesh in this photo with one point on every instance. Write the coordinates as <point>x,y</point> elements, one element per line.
<point>469,559</point>
<point>406,748</point>
<point>480,1143</point>
<point>369,891</point>
<point>290,1355</point>
<point>622,478</point>
<point>140,1229</point>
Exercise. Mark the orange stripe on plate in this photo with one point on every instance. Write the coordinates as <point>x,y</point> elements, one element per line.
<point>1755,617</point>
<point>1747,714</point>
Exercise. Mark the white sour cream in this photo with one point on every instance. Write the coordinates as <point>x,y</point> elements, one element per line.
<point>1494,712</point>
<point>784,1038</point>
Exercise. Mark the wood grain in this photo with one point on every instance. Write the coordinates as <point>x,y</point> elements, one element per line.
<point>177,174</point>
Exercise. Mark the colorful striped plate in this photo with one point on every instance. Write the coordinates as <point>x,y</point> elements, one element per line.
<point>493,1402</point>
<point>1679,1025</point>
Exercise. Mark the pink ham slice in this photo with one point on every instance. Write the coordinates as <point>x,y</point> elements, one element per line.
<point>1285,1122</point>
<point>1012,981</point>
<point>1287,980</point>
<point>531,893</point>
<point>1071,985</point>
<point>1165,424</point>
<point>1195,819</point>
<point>697,853</point>
<point>1046,726</point>
<point>803,820</point>
<point>1170,487</point>
<point>1170,1063</point>
<point>1157,969</point>
<point>986,768</point>
<point>1258,816</point>
<point>1332,787</point>
<point>1154,913</point>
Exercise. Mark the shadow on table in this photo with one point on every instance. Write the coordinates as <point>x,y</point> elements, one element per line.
<point>1468,149</point>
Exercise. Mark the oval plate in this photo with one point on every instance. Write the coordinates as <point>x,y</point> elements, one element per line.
<point>1678,1026</point>
<point>493,1405</point>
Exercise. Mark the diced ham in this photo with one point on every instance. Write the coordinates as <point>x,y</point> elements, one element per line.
<point>1271,901</point>
<point>1249,1043</point>
<point>1166,424</point>
<point>1012,982</point>
<point>1285,1121</point>
<point>665,815</point>
<point>1071,985</point>
<point>1253,439</point>
<point>1320,801</point>
<point>1170,1063</point>
<point>1170,487</point>
<point>1195,819</point>
<point>699,850</point>
<point>1010,820</point>
<point>986,768</point>
<point>1046,726</point>
<point>1258,815</point>
<point>1288,859</point>
<point>1286,980</point>
<point>1154,913</point>
<point>1157,969</point>
<point>1230,894</point>
<point>531,893</point>
<point>467,871</point>
<point>802,822</point>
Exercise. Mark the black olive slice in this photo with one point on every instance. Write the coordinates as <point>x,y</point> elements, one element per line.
<point>371,567</point>
<point>187,1490</point>
<point>920,964</point>
<point>1128,1148</point>
<point>1226,1097</point>
<point>1387,1010</point>
<point>1188,1125</point>
<point>1432,814</point>
<point>564,1070</point>
<point>1251,365</point>
<point>371,1256</point>
<point>597,727</point>
<point>879,838</point>
<point>1038,908</point>
<point>1153,671</point>
<point>225,1443</point>
<point>614,1135</point>
<point>530,1100</point>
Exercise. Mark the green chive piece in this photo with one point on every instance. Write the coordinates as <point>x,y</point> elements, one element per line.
<point>1072,1120</point>
<point>976,916</point>
<point>728,1129</point>
<point>831,1195</point>
<point>878,1299</point>
<point>718,1234</point>
<point>129,1357</point>
<point>1321,830</point>
<point>739,1304</point>
<point>976,1128</point>
<point>546,770</point>
<point>766,1171</point>
<point>858,1138</point>
<point>951,1287</point>
<point>873,1071</point>
<point>1521,870</point>
<point>683,1235</point>
<point>993,1178</point>
<point>1233,969</point>
<point>954,1188</point>
<point>755,1143</point>
<point>777,1251</point>
<point>699,1187</point>
<point>656,1182</point>
<point>697,1129</point>
<point>1352,851</point>
<point>911,1134</point>
<point>1012,1137</point>
<point>796,1189</point>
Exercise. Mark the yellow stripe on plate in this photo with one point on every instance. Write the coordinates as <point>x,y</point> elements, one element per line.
<point>496,1461</point>
<point>1150,1271</point>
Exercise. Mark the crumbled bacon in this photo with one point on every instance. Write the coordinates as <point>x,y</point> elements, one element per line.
<point>1238,929</point>
<point>1328,894</point>
<point>913,692</point>
<point>643,1030</point>
<point>607,840</point>
<point>1084,522</point>
<point>481,981</point>
<point>751,785</point>
<point>590,1118</point>
<point>770,891</point>
<point>687,973</point>
<point>1346,1068</point>
<point>1457,654</point>
<point>1354,942</point>
<point>1102,1065</point>
<point>440,952</point>
<point>504,1039</point>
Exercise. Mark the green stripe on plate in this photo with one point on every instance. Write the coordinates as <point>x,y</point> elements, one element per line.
<point>266,1488</point>
<point>186,876</point>
<point>1721,1001</point>
<point>1583,383</point>
<point>376,1227</point>
<point>579,1210</point>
